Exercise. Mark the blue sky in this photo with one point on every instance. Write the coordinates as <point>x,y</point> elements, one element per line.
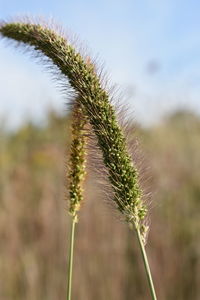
<point>151,49</point>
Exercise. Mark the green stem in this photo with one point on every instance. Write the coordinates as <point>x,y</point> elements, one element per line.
<point>146,265</point>
<point>71,255</point>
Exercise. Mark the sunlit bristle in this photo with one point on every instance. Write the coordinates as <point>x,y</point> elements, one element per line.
<point>96,101</point>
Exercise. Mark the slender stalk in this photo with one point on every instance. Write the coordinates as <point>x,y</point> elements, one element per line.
<point>71,255</point>
<point>146,265</point>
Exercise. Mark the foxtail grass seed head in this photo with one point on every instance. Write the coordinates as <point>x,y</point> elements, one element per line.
<point>77,160</point>
<point>123,174</point>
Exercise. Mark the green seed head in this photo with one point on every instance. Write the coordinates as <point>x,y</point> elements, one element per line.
<point>77,159</point>
<point>122,171</point>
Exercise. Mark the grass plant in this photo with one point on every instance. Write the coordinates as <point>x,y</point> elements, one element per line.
<point>95,100</point>
<point>76,177</point>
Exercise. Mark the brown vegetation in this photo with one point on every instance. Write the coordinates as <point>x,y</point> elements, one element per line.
<point>34,221</point>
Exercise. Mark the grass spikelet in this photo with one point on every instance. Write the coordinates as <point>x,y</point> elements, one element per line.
<point>95,100</point>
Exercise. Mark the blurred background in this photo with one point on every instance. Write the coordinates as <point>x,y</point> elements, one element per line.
<point>151,49</point>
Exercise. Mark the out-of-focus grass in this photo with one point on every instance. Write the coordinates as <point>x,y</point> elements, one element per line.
<point>34,221</point>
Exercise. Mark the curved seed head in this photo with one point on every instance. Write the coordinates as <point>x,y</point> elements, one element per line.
<point>123,174</point>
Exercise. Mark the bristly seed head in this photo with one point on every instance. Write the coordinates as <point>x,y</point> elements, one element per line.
<point>94,98</point>
<point>77,160</point>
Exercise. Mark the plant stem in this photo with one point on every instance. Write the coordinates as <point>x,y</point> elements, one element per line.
<point>146,265</point>
<point>71,255</point>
